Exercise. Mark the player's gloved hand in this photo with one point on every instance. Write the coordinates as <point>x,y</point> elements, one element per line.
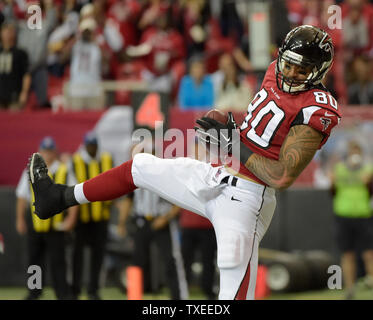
<point>225,136</point>
<point>218,133</point>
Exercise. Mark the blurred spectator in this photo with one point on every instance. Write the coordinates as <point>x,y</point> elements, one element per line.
<point>162,49</point>
<point>84,90</point>
<point>224,38</point>
<point>87,11</point>
<point>34,42</point>
<point>193,17</point>
<point>355,28</point>
<point>196,90</point>
<point>46,238</point>
<point>231,91</point>
<point>59,39</point>
<point>91,229</point>
<point>360,90</point>
<point>367,11</point>
<point>15,80</point>
<point>126,13</point>
<point>107,36</point>
<point>151,11</point>
<point>279,26</point>
<point>307,12</point>
<point>353,214</point>
<point>13,9</point>
<point>295,12</point>
<point>312,12</point>
<point>198,236</point>
<point>230,23</point>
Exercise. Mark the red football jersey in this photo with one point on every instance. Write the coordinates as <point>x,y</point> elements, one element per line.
<point>273,112</point>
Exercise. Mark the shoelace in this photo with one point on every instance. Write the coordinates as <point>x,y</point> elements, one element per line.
<point>42,172</point>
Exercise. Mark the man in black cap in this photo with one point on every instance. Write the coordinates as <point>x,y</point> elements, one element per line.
<point>46,238</point>
<point>93,218</point>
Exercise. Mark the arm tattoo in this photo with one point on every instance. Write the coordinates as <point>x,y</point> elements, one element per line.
<point>296,152</point>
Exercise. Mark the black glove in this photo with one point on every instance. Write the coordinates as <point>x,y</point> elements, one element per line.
<point>224,136</point>
<point>217,133</point>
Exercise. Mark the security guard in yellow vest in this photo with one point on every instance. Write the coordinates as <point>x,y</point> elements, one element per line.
<point>91,229</point>
<point>46,238</point>
<point>351,182</point>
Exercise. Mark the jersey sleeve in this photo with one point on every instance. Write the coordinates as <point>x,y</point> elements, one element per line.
<point>318,118</point>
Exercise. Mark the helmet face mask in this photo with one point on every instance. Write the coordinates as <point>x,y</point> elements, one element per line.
<point>307,47</point>
<point>288,84</point>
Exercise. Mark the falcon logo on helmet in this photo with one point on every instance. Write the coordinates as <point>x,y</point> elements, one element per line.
<point>308,47</point>
<point>325,45</point>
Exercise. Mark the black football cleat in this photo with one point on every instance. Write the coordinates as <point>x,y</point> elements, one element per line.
<point>49,197</point>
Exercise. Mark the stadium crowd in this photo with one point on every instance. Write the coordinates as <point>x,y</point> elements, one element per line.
<point>158,42</point>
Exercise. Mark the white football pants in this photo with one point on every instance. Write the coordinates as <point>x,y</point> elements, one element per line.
<point>240,214</point>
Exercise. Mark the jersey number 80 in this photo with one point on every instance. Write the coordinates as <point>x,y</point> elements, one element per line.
<point>263,140</point>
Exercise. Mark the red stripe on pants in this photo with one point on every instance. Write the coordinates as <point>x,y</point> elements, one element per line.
<point>242,290</point>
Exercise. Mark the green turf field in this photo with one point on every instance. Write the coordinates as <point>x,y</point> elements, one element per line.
<point>362,293</point>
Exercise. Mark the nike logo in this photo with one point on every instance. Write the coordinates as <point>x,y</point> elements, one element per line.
<point>329,114</point>
<point>234,199</point>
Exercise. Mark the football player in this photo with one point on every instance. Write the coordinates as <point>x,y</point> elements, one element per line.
<point>289,119</point>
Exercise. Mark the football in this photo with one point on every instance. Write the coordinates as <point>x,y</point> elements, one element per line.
<point>217,115</point>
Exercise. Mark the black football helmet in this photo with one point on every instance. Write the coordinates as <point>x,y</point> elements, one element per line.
<point>306,46</point>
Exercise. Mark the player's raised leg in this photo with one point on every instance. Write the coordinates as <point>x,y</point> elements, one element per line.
<point>51,198</point>
<point>181,181</point>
